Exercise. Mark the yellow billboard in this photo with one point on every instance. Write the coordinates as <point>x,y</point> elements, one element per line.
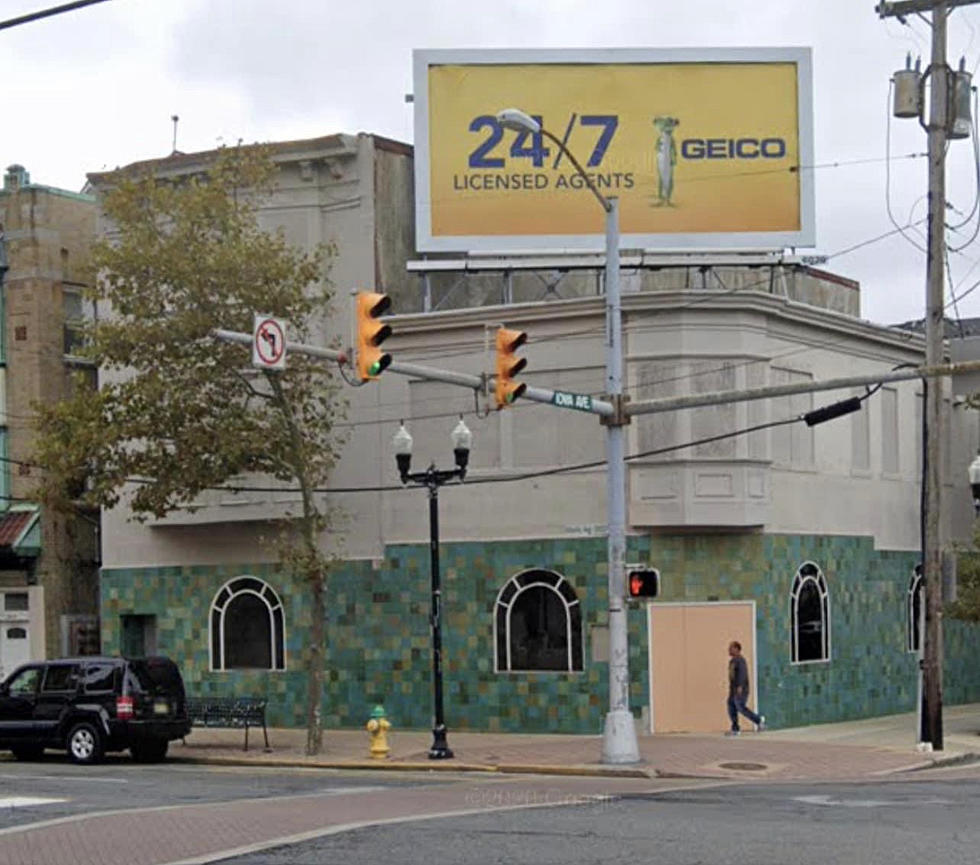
<point>703,149</point>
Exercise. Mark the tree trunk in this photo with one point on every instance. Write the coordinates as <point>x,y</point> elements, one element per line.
<point>313,574</point>
<point>314,719</point>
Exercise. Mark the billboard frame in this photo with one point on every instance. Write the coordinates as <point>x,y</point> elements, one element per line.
<point>424,59</point>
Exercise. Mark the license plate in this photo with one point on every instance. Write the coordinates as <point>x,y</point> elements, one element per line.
<point>160,707</point>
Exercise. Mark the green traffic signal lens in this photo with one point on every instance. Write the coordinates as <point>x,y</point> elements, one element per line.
<point>375,368</point>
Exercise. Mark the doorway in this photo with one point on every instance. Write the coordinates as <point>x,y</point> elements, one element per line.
<point>688,663</point>
<point>15,646</point>
<point>139,636</point>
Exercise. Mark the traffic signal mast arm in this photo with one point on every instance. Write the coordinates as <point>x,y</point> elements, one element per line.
<point>724,397</point>
<point>652,406</point>
<point>475,382</point>
<point>902,8</point>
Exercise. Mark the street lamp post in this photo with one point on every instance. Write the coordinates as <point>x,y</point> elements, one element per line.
<point>433,478</point>
<point>619,744</point>
<point>974,472</point>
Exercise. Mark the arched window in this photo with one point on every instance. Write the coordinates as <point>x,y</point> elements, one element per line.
<point>538,624</point>
<point>915,609</point>
<point>810,615</point>
<point>247,631</point>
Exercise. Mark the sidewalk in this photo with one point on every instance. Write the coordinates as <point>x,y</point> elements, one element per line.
<point>851,750</point>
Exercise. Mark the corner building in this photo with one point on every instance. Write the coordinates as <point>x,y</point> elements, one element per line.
<point>799,541</point>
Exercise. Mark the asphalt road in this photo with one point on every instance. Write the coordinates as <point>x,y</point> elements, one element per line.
<point>54,812</point>
<point>856,824</point>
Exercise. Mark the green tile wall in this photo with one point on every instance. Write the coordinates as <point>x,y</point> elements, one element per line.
<point>379,649</point>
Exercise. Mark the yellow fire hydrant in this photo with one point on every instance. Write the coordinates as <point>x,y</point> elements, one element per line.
<point>378,727</point>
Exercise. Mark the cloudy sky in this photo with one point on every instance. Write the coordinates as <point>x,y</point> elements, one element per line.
<point>95,88</point>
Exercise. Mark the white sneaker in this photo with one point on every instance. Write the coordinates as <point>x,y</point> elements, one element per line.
<point>761,726</point>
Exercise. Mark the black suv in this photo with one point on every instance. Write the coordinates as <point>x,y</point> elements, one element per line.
<point>88,706</point>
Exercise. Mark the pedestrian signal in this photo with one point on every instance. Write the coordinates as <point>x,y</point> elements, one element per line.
<point>371,332</point>
<point>508,365</point>
<point>643,582</point>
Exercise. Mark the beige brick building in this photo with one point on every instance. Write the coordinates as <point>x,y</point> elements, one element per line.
<point>48,562</point>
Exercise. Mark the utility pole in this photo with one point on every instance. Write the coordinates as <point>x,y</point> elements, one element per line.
<point>932,659</point>
<point>937,124</point>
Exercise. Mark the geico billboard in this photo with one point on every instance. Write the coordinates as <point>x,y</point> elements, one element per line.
<point>705,149</point>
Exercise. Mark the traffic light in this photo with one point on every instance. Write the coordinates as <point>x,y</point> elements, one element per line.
<point>508,365</point>
<point>371,332</point>
<point>642,582</point>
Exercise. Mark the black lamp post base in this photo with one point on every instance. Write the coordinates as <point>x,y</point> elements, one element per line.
<point>440,747</point>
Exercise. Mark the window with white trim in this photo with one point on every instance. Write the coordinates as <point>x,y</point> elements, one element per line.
<point>792,444</point>
<point>888,399</point>
<point>247,628</point>
<point>914,609</point>
<point>538,623</point>
<point>79,312</point>
<point>810,615</point>
<point>860,438</point>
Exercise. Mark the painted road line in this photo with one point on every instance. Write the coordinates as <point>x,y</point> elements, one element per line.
<point>26,801</point>
<point>94,779</point>
<point>831,802</point>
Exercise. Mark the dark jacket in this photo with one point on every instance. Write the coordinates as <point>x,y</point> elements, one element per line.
<point>738,676</point>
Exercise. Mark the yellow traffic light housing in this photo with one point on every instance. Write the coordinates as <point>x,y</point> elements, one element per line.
<point>371,332</point>
<point>508,365</point>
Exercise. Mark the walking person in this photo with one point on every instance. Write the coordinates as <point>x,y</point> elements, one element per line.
<point>738,690</point>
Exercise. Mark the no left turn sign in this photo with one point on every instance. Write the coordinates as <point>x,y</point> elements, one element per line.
<point>268,343</point>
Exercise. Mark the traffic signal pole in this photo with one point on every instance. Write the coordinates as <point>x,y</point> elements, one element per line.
<point>619,744</point>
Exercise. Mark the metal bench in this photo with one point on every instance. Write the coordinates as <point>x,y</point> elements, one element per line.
<point>230,712</point>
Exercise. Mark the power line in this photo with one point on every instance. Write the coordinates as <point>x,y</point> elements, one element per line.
<point>796,168</point>
<point>525,475</point>
<point>47,13</point>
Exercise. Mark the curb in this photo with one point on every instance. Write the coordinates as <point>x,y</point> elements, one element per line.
<point>964,759</point>
<point>582,771</point>
<point>372,765</point>
<point>434,766</point>
<point>960,759</point>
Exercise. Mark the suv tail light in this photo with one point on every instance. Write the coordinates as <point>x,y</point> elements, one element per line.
<point>124,707</point>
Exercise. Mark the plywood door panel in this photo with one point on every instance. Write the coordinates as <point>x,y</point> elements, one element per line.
<point>689,663</point>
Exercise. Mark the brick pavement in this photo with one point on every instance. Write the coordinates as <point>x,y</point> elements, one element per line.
<point>873,748</point>
<point>749,756</point>
<point>200,832</point>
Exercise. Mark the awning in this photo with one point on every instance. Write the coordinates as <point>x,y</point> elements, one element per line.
<point>20,531</point>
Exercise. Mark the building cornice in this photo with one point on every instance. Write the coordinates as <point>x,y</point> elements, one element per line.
<point>687,302</point>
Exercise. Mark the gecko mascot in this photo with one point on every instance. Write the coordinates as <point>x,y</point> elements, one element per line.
<point>666,158</point>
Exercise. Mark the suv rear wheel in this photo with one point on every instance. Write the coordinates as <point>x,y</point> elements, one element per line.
<point>84,743</point>
<point>149,750</point>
